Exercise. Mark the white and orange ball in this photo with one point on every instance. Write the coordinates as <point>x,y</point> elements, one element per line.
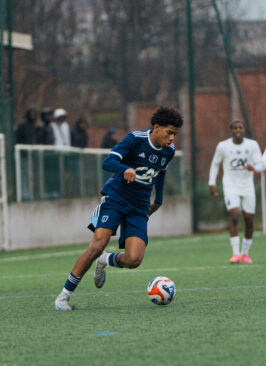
<point>161,290</point>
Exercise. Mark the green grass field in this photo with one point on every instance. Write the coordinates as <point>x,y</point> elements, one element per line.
<point>217,318</point>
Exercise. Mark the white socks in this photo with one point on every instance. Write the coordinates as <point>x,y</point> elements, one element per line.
<point>235,244</point>
<point>66,292</point>
<point>246,243</point>
<point>103,259</point>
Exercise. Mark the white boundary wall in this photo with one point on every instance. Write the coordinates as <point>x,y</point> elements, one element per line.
<point>42,224</point>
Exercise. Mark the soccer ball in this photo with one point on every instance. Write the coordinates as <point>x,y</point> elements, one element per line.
<point>161,290</point>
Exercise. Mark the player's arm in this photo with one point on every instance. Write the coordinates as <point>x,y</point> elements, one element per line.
<point>214,169</point>
<point>153,207</point>
<point>159,187</point>
<point>112,163</point>
<point>257,164</point>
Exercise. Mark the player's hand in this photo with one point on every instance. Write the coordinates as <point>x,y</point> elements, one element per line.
<point>130,175</point>
<point>250,168</point>
<point>153,207</point>
<point>213,191</point>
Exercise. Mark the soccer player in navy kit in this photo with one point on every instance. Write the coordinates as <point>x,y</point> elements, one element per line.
<point>139,162</point>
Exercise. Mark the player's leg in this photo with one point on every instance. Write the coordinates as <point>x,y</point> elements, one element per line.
<point>82,265</point>
<point>249,224</point>
<point>110,216</point>
<point>234,214</point>
<point>97,246</point>
<point>134,253</point>
<point>130,258</point>
<point>133,238</point>
<point>249,203</point>
<point>233,206</point>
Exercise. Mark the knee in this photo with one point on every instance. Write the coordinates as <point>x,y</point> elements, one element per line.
<point>234,217</point>
<point>96,248</point>
<point>134,262</point>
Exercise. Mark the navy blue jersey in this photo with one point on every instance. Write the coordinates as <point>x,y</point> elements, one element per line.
<point>136,151</point>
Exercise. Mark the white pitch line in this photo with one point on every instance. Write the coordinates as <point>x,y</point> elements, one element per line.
<point>40,256</point>
<point>46,255</point>
<point>107,293</point>
<point>178,241</point>
<point>136,271</point>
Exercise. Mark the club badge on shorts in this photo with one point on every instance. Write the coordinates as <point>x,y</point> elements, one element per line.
<point>105,218</point>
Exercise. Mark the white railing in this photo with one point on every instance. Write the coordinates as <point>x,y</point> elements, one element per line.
<point>41,149</point>
<point>3,197</point>
<point>30,149</point>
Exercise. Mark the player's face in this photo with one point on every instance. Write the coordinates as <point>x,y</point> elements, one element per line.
<point>238,132</point>
<point>163,136</point>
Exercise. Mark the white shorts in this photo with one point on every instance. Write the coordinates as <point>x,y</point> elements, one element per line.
<point>246,203</point>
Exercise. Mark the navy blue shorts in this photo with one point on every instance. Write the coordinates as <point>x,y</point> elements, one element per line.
<point>109,214</point>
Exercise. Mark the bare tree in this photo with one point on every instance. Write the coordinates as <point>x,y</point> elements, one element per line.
<point>52,24</point>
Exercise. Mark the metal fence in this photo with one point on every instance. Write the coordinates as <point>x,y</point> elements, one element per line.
<point>3,197</point>
<point>263,201</point>
<point>49,172</point>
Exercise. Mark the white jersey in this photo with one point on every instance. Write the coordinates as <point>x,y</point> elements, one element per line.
<point>236,178</point>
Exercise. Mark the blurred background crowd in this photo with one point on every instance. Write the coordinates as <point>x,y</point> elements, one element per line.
<point>51,127</point>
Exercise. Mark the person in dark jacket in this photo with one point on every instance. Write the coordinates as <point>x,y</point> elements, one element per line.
<point>79,134</point>
<point>26,131</point>
<point>108,140</point>
<point>45,133</point>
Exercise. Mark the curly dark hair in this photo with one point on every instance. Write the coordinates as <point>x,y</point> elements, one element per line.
<point>165,116</point>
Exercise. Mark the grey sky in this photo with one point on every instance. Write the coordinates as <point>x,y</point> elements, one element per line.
<point>253,9</point>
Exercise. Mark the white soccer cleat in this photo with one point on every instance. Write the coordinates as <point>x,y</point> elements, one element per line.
<point>61,302</point>
<point>100,274</point>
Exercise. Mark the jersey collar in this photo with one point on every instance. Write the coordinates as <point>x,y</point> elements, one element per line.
<point>244,139</point>
<point>151,144</point>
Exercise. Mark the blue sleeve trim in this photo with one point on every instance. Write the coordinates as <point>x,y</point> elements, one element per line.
<point>115,153</point>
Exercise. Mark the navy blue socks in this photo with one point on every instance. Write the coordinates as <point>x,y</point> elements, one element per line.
<point>72,282</point>
<point>112,260</point>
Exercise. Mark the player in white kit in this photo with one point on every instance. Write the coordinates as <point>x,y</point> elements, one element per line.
<point>240,157</point>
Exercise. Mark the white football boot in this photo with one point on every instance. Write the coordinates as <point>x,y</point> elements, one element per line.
<point>61,302</point>
<point>99,274</point>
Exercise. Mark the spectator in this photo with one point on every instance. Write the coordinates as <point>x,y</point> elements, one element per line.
<point>45,133</point>
<point>108,140</point>
<point>79,134</point>
<point>26,131</point>
<point>61,128</point>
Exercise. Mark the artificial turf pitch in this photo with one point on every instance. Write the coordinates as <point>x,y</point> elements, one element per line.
<point>217,318</point>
